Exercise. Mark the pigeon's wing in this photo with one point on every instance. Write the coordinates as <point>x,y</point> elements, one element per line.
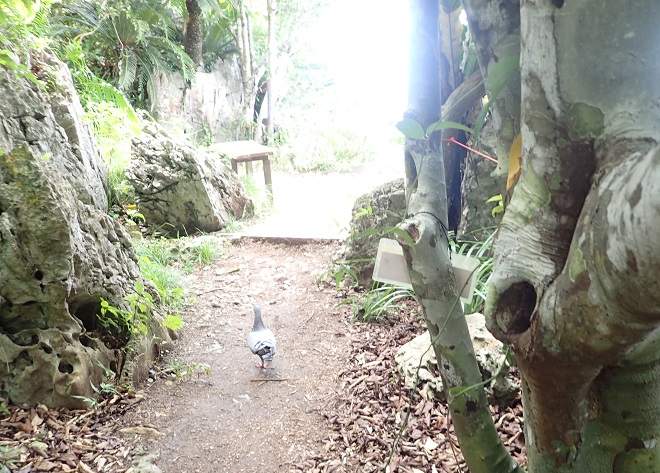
<point>262,343</point>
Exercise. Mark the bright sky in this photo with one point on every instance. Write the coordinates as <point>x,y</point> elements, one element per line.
<point>364,44</point>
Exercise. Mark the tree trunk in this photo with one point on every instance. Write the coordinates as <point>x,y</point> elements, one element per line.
<point>428,259</point>
<point>575,290</point>
<point>272,54</point>
<point>242,33</point>
<point>496,34</point>
<point>194,32</point>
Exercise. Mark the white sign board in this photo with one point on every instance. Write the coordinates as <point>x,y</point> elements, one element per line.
<point>391,268</point>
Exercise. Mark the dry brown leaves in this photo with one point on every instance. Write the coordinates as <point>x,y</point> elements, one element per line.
<point>62,440</point>
<point>375,413</point>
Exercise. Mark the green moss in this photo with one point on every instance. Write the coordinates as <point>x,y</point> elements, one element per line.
<point>576,265</point>
<point>586,120</point>
<point>531,196</point>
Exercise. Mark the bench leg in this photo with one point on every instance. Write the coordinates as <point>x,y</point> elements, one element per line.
<point>234,165</point>
<point>267,176</point>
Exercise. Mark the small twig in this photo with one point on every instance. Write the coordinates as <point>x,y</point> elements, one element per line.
<point>270,379</point>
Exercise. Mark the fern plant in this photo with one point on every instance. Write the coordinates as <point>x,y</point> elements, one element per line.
<point>129,44</point>
<point>483,251</point>
<point>20,24</point>
<point>377,302</point>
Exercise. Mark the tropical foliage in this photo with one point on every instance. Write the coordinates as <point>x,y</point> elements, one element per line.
<point>127,43</point>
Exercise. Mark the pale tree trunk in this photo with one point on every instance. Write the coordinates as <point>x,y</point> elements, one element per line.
<point>272,55</point>
<point>428,259</point>
<point>242,33</point>
<point>575,290</point>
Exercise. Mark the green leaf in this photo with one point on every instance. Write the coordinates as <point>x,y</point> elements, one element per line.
<point>450,5</point>
<point>497,209</point>
<point>173,322</point>
<point>11,62</point>
<point>368,232</point>
<point>498,77</point>
<point>442,125</point>
<point>495,198</point>
<point>411,129</point>
<point>501,73</point>
<point>401,233</point>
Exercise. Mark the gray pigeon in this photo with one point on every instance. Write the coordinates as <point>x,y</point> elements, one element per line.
<point>261,339</point>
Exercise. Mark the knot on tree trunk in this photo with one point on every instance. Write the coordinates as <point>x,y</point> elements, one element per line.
<point>514,310</point>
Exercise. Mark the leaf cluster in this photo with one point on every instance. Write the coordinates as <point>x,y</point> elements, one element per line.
<point>136,320</point>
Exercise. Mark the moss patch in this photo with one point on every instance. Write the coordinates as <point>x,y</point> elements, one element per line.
<point>586,120</point>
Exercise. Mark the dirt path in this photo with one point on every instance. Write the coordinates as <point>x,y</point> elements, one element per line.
<point>229,420</point>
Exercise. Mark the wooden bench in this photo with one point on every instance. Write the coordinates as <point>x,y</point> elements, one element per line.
<point>246,152</point>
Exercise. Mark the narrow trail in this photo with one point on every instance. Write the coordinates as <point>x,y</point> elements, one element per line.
<point>234,417</point>
<point>229,420</point>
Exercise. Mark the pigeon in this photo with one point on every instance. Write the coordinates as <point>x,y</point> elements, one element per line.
<point>261,339</point>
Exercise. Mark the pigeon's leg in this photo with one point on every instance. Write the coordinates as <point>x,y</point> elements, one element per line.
<point>262,365</point>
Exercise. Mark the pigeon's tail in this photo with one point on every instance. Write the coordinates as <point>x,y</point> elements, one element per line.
<point>258,323</point>
<point>265,351</point>
<point>262,343</point>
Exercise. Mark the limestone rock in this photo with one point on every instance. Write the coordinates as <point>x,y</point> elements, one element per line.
<point>388,204</point>
<point>58,257</point>
<point>207,108</point>
<point>182,189</point>
<point>489,352</point>
<point>60,253</point>
<point>49,123</point>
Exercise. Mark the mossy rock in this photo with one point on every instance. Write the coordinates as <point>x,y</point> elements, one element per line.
<point>380,209</point>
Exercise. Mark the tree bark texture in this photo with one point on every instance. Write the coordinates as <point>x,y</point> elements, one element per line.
<point>575,289</point>
<point>194,32</point>
<point>428,259</point>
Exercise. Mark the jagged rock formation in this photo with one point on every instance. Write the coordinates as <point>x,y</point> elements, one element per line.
<point>181,189</point>
<point>59,250</point>
<point>387,203</point>
<point>49,123</point>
